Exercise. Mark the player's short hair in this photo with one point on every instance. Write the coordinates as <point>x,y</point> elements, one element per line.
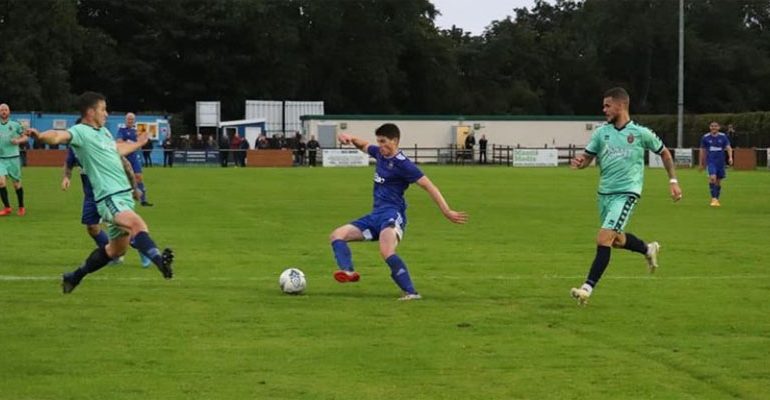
<point>89,100</point>
<point>618,93</point>
<point>389,131</point>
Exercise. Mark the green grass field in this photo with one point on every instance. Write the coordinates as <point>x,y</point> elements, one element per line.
<point>496,321</point>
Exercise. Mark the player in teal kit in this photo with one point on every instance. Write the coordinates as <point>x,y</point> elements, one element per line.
<point>11,136</point>
<point>618,148</point>
<point>100,157</point>
<point>713,146</point>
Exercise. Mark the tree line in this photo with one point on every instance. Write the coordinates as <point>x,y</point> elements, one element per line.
<point>383,56</point>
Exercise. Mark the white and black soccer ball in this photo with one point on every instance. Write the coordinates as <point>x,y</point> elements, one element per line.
<point>292,281</point>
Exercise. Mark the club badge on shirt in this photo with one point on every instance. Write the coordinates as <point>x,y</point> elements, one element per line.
<point>630,138</point>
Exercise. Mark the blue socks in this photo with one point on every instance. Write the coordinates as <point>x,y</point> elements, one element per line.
<point>146,246</point>
<point>95,261</point>
<point>140,185</point>
<point>601,261</point>
<point>342,254</point>
<point>101,238</point>
<point>715,190</point>
<point>400,274</point>
<point>398,270</point>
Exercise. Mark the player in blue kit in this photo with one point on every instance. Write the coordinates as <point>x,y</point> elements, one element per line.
<point>89,216</point>
<point>387,221</point>
<point>127,134</point>
<point>713,146</point>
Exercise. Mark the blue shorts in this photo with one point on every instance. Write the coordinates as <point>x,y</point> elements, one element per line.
<point>136,163</point>
<point>372,224</point>
<point>90,215</point>
<point>718,170</point>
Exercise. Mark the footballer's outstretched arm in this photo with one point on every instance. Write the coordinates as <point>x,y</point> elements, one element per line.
<point>729,150</point>
<point>125,148</point>
<point>361,144</point>
<point>129,170</point>
<point>582,161</point>
<point>65,180</point>
<point>51,137</point>
<point>21,139</point>
<point>458,217</point>
<point>668,163</point>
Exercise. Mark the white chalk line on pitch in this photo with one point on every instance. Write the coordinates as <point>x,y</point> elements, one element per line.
<point>21,278</point>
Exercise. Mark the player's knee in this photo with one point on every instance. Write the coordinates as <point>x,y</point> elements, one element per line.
<point>93,230</point>
<point>336,235</point>
<point>114,251</point>
<point>385,253</point>
<point>136,226</point>
<point>605,240</point>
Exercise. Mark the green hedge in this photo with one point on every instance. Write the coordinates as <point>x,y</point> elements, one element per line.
<point>752,129</point>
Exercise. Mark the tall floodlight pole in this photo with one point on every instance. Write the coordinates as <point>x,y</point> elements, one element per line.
<point>680,100</point>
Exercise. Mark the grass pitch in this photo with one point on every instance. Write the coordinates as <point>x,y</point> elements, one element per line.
<point>496,321</point>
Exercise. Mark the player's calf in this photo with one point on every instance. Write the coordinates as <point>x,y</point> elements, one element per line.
<point>163,261</point>
<point>95,261</point>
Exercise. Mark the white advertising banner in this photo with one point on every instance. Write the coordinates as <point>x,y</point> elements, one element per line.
<point>768,158</point>
<point>344,158</point>
<point>535,157</point>
<point>654,160</point>
<point>683,157</point>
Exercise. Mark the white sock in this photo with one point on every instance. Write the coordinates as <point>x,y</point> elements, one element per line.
<point>588,288</point>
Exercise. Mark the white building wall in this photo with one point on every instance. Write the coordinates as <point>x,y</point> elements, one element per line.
<point>427,133</point>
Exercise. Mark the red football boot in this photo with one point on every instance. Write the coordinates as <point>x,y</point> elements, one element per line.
<point>346,276</point>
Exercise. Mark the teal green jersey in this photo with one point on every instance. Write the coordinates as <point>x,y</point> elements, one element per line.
<point>8,131</point>
<point>620,156</point>
<point>99,158</point>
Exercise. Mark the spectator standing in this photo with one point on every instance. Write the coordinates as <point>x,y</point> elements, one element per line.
<point>470,141</point>
<point>147,154</point>
<point>224,147</point>
<point>235,146</point>
<point>262,142</point>
<point>312,149</point>
<point>483,149</point>
<point>168,152</point>
<point>299,150</point>
<point>244,147</point>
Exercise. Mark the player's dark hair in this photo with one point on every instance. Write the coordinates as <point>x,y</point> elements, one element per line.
<point>388,130</point>
<point>89,100</point>
<point>618,93</point>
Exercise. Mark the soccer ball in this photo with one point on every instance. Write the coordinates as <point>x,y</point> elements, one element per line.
<point>292,281</point>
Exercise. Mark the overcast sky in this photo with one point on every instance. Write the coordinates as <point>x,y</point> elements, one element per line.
<point>475,15</point>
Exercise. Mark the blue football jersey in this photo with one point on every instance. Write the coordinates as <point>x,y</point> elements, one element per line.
<point>129,135</point>
<point>715,146</point>
<point>391,179</point>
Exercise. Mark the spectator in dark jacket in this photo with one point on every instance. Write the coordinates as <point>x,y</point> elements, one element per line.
<point>224,147</point>
<point>312,150</point>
